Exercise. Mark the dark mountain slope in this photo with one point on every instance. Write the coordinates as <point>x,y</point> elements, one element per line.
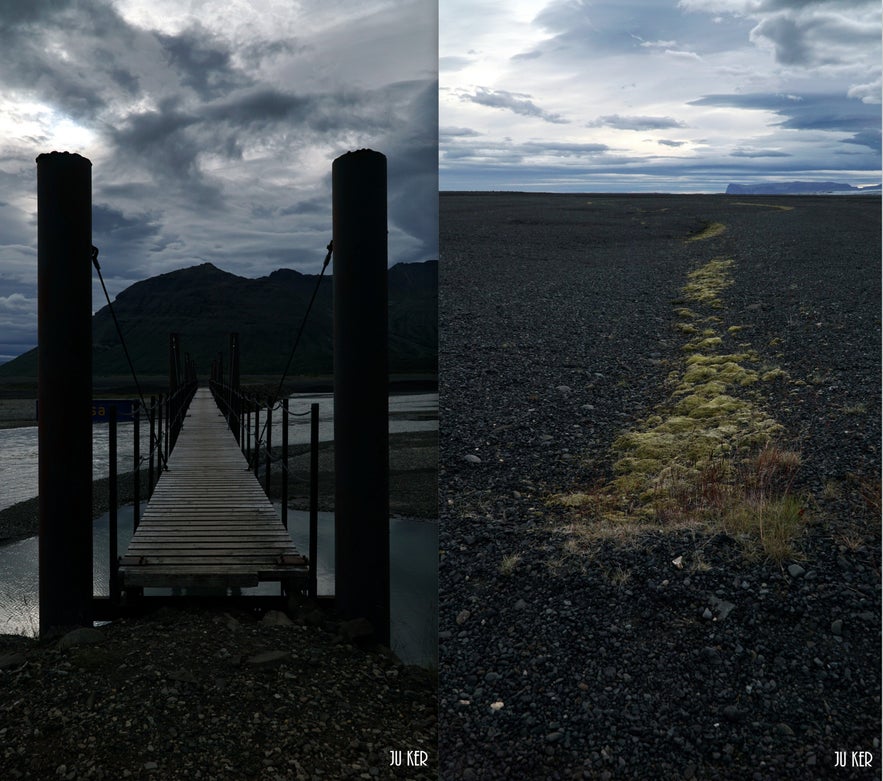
<point>205,304</point>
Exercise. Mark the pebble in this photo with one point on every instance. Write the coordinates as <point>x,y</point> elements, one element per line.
<point>837,627</point>
<point>472,458</point>
<point>795,570</point>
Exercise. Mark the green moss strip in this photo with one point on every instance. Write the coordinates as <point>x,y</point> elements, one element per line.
<point>704,421</point>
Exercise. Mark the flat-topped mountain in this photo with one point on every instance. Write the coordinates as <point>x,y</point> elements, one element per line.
<point>204,304</point>
<point>797,188</point>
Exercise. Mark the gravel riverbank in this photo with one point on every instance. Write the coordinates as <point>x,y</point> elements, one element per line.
<point>565,660</point>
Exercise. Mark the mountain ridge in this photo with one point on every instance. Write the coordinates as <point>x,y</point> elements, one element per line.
<point>204,304</point>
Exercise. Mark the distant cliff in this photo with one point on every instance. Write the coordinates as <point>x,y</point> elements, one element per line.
<point>204,304</point>
<point>796,188</point>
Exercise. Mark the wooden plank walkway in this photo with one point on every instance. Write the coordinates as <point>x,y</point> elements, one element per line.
<point>209,522</point>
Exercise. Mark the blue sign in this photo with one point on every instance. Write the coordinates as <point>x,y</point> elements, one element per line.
<point>101,407</point>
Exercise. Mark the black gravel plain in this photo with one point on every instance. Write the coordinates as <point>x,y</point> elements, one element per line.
<point>557,333</point>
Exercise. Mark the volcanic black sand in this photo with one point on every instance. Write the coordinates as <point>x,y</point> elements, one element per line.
<point>567,658</point>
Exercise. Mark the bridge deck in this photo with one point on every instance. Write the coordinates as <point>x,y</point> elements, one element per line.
<point>209,522</point>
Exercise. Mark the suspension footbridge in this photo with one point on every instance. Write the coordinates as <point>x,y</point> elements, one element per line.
<point>209,522</point>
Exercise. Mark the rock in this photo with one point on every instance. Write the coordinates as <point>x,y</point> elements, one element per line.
<point>837,627</point>
<point>462,617</point>
<point>356,629</point>
<point>232,623</point>
<point>732,713</point>
<point>472,458</point>
<point>795,570</point>
<point>866,616</point>
<point>84,635</point>
<point>150,766</point>
<point>554,737</point>
<point>276,618</point>
<point>722,607</point>
<point>563,389</point>
<point>8,661</point>
<point>784,729</point>
<point>711,655</point>
<point>183,676</point>
<point>314,617</point>
<point>268,659</point>
<point>520,604</point>
<point>707,614</point>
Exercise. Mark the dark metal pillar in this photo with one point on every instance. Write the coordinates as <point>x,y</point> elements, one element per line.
<point>361,407</point>
<point>64,312</point>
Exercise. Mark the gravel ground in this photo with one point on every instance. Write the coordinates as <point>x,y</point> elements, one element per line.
<point>208,695</point>
<point>557,333</point>
<point>199,694</point>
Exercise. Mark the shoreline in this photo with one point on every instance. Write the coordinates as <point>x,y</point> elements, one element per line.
<point>413,458</point>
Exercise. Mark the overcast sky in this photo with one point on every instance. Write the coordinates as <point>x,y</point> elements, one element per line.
<point>212,126</point>
<point>657,95</point>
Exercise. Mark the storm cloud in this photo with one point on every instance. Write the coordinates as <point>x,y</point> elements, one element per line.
<point>731,90</point>
<point>212,129</point>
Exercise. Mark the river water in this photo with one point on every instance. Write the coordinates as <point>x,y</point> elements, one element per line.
<point>18,446</point>
<point>413,542</point>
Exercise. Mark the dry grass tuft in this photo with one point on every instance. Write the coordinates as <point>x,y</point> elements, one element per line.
<point>509,563</point>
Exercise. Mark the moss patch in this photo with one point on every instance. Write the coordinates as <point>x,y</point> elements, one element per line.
<point>765,205</point>
<point>681,464</point>
<point>711,230</point>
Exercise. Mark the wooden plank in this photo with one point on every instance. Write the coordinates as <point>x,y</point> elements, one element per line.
<point>208,520</point>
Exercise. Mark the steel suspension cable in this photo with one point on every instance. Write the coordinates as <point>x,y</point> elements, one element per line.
<point>125,349</point>
<point>330,250</point>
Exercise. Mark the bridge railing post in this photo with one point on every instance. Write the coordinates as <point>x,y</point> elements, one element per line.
<point>113,561</point>
<point>233,390</point>
<point>64,372</point>
<point>248,430</point>
<point>136,464</point>
<point>312,585</point>
<point>257,436</point>
<point>285,462</point>
<point>269,444</point>
<point>160,443</point>
<point>151,416</point>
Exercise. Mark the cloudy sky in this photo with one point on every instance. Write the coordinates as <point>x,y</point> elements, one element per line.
<point>657,95</point>
<point>212,126</point>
